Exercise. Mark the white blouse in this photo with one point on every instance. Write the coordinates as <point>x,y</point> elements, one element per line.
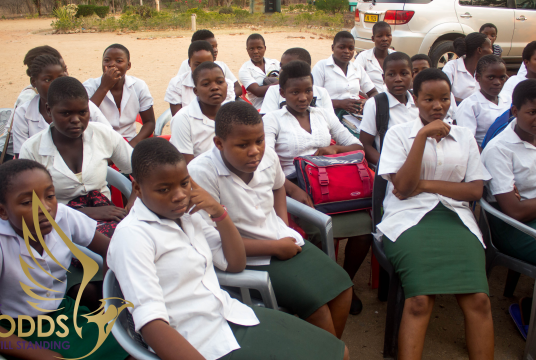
<point>463,83</point>
<point>372,66</point>
<point>180,90</point>
<point>250,74</point>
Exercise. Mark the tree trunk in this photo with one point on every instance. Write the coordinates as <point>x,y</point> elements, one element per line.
<point>38,6</point>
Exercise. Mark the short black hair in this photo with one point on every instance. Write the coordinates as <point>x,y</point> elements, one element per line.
<point>469,44</point>
<point>120,47</point>
<point>11,169</point>
<point>380,25</point>
<point>150,153</point>
<point>64,88</point>
<point>293,70</point>
<point>41,62</point>
<point>529,50</point>
<point>202,34</point>
<point>485,61</point>
<point>430,74</point>
<point>421,57</point>
<point>255,37</point>
<point>488,25</point>
<point>300,53</point>
<point>233,113</point>
<point>397,56</point>
<point>199,45</point>
<point>37,51</point>
<point>207,65</point>
<point>342,35</point>
<point>524,92</point>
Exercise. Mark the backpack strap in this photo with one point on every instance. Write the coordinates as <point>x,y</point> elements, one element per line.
<point>382,116</point>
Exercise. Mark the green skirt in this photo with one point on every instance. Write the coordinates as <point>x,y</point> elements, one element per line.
<point>439,255</point>
<point>71,346</point>
<point>307,281</point>
<point>281,336</point>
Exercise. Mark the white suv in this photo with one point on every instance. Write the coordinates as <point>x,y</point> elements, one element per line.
<point>430,26</point>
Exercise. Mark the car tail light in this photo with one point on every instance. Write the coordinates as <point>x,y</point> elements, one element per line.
<point>398,17</point>
<point>356,14</point>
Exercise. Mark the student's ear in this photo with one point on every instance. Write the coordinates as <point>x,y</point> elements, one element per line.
<point>282,92</point>
<point>414,97</point>
<point>48,109</point>
<point>129,66</point>
<point>32,81</point>
<point>332,47</point>
<point>195,90</point>
<point>514,111</point>
<point>136,188</point>
<point>3,212</point>
<point>478,77</point>
<point>218,142</point>
<point>372,38</point>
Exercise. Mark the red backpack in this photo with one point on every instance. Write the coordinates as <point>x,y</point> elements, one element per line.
<point>336,183</point>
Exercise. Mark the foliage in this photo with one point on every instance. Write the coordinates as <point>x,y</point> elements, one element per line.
<point>144,11</point>
<point>66,18</point>
<point>332,6</point>
<point>102,11</point>
<point>85,10</point>
<point>226,10</point>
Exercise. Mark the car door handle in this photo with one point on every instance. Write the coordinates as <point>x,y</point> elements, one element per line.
<point>521,18</point>
<point>466,15</point>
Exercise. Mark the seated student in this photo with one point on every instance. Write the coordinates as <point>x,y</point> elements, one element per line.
<point>429,232</point>
<point>31,117</point>
<point>298,129</point>
<point>372,60</point>
<point>274,101</point>
<point>209,36</point>
<point>343,79</point>
<point>122,97</point>
<point>253,73</point>
<point>180,91</point>
<point>479,111</point>
<point>76,154</point>
<point>511,160</point>
<point>19,179</point>
<point>163,255</point>
<point>529,60</point>
<point>461,71</point>
<point>490,30</point>
<point>398,79</point>
<point>192,128</point>
<point>246,177</point>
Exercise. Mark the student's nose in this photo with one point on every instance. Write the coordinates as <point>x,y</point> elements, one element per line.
<point>253,151</point>
<point>178,196</point>
<point>302,97</point>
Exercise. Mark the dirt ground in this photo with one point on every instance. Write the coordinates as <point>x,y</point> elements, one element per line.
<point>157,61</point>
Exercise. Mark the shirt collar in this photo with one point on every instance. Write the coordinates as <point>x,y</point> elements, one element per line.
<point>194,110</point>
<point>143,213</point>
<point>129,81</point>
<point>509,135</point>
<point>482,100</point>
<point>187,79</point>
<point>32,112</point>
<point>394,101</point>
<point>461,65</point>
<point>47,147</point>
<point>418,125</point>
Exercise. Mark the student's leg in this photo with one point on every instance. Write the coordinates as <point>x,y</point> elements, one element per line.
<point>357,248</point>
<point>415,318</point>
<point>478,324</point>
<point>332,316</point>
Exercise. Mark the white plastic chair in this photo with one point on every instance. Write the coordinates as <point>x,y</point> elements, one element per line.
<point>162,121</point>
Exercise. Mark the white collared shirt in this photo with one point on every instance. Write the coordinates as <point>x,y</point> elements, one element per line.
<point>29,121</point>
<point>250,206</point>
<point>250,74</point>
<point>510,161</point>
<point>455,158</point>
<point>185,67</point>
<point>167,272</point>
<point>285,135</point>
<point>398,114</point>
<point>463,83</point>
<point>100,143</point>
<point>76,226</point>
<point>339,86</point>
<point>509,86</point>
<point>136,99</point>
<point>522,70</point>
<point>368,61</point>
<point>478,113</point>
<point>25,95</point>
<point>274,101</point>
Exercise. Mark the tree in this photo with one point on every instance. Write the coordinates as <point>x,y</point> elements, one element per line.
<point>37,4</point>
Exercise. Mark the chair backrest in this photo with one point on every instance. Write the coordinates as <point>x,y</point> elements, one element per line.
<point>378,195</point>
<point>162,121</point>
<point>117,180</point>
<point>5,114</point>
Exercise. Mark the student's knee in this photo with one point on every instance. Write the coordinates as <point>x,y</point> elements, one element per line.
<point>479,303</point>
<point>419,306</point>
<point>321,313</point>
<point>346,353</point>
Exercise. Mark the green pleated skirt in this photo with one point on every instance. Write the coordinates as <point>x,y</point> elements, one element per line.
<point>439,255</point>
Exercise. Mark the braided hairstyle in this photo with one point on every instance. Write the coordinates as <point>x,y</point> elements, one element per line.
<point>469,45</point>
<point>37,51</point>
<point>486,61</point>
<point>41,62</point>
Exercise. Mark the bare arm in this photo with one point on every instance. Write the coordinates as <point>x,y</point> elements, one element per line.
<point>521,210</point>
<point>372,93</point>
<point>167,342</point>
<point>175,108</point>
<point>99,245</point>
<point>147,117</point>
<point>237,89</point>
<point>371,154</point>
<point>280,204</point>
<point>258,90</point>
<point>21,351</point>
<point>188,158</point>
<point>295,192</point>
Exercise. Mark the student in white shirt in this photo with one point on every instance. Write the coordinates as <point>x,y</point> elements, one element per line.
<point>511,160</point>
<point>298,129</point>
<point>25,184</point>
<point>479,111</point>
<point>180,91</point>
<point>76,154</point>
<point>529,60</point>
<point>461,71</point>
<point>343,79</point>
<point>255,74</point>
<point>372,60</point>
<point>163,255</point>
<point>209,36</point>
<point>192,128</point>
<point>398,78</point>
<point>122,97</point>
<point>429,232</point>
<point>274,101</point>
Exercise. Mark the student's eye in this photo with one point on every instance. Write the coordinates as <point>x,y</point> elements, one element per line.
<point>260,141</point>
<point>51,196</point>
<point>243,146</point>
<point>26,202</point>
<point>163,190</point>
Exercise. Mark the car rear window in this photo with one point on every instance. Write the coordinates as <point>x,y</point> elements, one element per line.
<point>400,1</point>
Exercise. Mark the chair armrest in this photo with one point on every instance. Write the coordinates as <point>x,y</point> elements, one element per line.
<point>96,257</point>
<point>162,121</point>
<point>318,219</point>
<point>115,179</point>
<point>250,279</point>
<point>507,219</point>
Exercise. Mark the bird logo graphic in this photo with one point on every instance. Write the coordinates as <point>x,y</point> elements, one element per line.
<point>104,320</point>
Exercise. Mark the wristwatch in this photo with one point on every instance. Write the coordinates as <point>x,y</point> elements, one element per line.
<point>220,218</point>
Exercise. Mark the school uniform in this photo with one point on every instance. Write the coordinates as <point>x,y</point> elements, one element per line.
<point>509,86</point>
<point>25,95</point>
<point>136,99</point>
<point>463,83</point>
<point>303,283</point>
<point>478,113</point>
<point>368,61</point>
<point>167,271</point>
<point>522,70</point>
<point>250,74</point>
<point>185,67</point>
<point>433,241</point>
<point>29,121</point>
<point>274,101</point>
<point>511,161</point>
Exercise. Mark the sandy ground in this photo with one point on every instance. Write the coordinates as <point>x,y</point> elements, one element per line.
<point>156,62</point>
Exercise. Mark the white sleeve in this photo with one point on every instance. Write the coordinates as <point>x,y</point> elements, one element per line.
<point>499,164</point>
<point>214,242</point>
<point>522,70</point>
<point>231,96</point>
<point>271,100</point>
<point>25,96</point>
<point>393,154</point>
<point>449,70</point>
<point>26,153</point>
<point>90,86</point>
<point>318,74</point>
<point>204,174</point>
<point>368,124</point>
<point>144,96</point>
<point>173,92</point>
<point>279,174</point>
<point>475,169</point>
<point>122,152</point>
<point>184,68</point>
<point>181,135</point>
<point>361,60</point>
<point>271,130</point>
<point>82,226</point>
<point>245,77</point>
<point>365,83</point>
<point>339,132</point>
<point>326,100</point>
<point>20,129</point>
<point>229,74</point>
<point>96,115</point>
<point>467,113</point>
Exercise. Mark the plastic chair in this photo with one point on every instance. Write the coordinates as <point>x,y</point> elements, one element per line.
<point>495,258</point>
<point>115,179</point>
<point>162,121</point>
<point>5,114</point>
<point>244,95</point>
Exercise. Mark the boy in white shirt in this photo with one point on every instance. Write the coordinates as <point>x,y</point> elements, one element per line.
<point>529,60</point>
<point>255,74</point>
<point>163,255</point>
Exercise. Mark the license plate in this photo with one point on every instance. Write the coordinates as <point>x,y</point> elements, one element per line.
<point>371,18</point>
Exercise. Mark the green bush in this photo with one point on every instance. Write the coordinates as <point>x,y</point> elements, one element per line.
<point>102,11</point>
<point>241,14</point>
<point>66,19</point>
<point>85,10</point>
<point>332,6</point>
<point>226,10</point>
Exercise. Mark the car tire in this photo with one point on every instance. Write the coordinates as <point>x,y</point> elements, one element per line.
<point>441,53</point>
